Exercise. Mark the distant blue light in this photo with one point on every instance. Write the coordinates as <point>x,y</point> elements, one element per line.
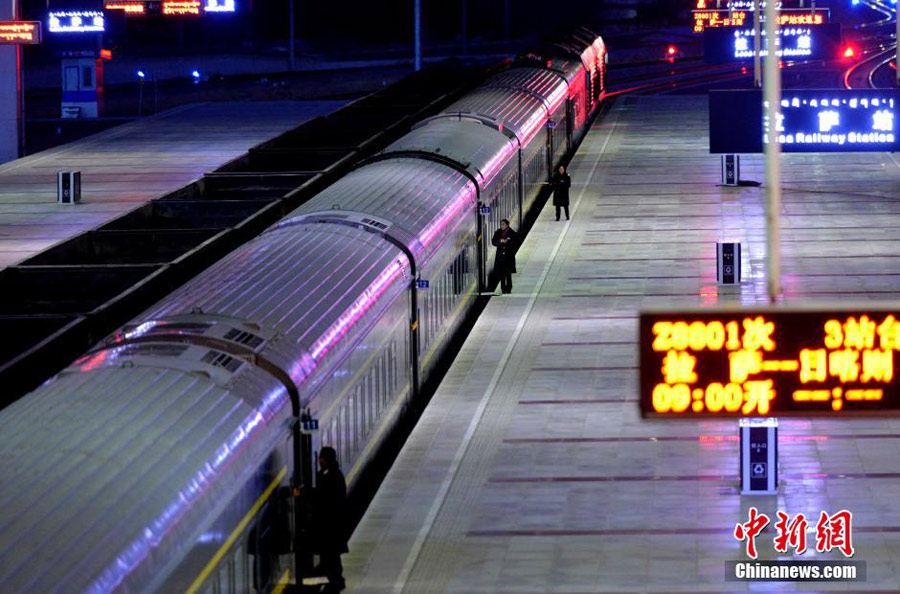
<point>195,74</point>
<point>140,74</point>
<point>854,2</point>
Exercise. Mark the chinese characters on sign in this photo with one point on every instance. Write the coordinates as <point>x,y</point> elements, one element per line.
<point>832,120</point>
<point>824,119</point>
<point>808,42</point>
<point>20,33</point>
<point>181,7</point>
<point>833,532</point>
<point>744,18</point>
<point>76,21</point>
<point>129,7</point>
<point>768,363</point>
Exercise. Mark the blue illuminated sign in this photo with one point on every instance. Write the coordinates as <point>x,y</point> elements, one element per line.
<point>218,6</point>
<point>820,42</point>
<point>76,21</point>
<point>833,120</point>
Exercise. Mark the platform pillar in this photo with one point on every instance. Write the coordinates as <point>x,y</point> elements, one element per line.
<point>10,79</point>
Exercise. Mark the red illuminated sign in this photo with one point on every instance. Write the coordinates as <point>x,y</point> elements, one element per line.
<point>704,19</point>
<point>20,32</point>
<point>769,362</point>
<point>129,7</point>
<point>181,7</point>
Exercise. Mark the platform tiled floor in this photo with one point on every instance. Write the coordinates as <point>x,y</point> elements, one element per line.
<point>128,165</point>
<point>532,471</point>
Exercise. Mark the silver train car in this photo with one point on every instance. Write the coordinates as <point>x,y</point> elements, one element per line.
<point>165,459</point>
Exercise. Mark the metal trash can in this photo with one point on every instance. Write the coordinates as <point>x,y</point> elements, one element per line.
<point>68,187</point>
<point>759,456</point>
<point>728,263</point>
<point>731,170</point>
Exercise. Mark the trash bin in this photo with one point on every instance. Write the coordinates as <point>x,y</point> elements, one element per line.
<point>728,263</point>
<point>759,456</point>
<point>68,187</point>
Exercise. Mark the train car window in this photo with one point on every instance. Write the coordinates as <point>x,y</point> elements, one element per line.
<point>240,570</point>
<point>222,579</point>
<point>336,432</point>
<point>377,377</point>
<point>386,376</point>
<point>370,399</point>
<point>366,390</point>
<point>392,370</point>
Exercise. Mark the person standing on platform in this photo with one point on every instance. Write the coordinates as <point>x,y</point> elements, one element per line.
<point>561,184</point>
<point>330,518</point>
<point>507,242</point>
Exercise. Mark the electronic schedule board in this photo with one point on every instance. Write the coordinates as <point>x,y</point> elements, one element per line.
<point>827,120</point>
<point>769,362</point>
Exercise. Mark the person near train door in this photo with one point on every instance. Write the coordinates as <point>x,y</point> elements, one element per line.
<point>507,242</point>
<point>330,518</point>
<point>561,184</point>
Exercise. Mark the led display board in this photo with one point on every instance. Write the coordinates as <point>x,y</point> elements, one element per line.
<point>820,42</point>
<point>747,5</point>
<point>76,21</point>
<point>181,7</point>
<point>129,7</point>
<point>20,32</point>
<point>830,120</point>
<point>769,362</point>
<point>744,18</point>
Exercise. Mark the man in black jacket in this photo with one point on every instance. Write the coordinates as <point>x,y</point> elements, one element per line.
<point>507,242</point>
<point>330,518</point>
<point>561,184</point>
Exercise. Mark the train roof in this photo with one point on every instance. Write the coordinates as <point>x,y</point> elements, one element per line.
<point>520,111</point>
<point>115,462</point>
<point>552,88</point>
<point>479,149</point>
<point>317,309</point>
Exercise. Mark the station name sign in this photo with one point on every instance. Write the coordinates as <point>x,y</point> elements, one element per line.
<point>704,19</point>
<point>809,121</point>
<point>769,362</point>
<point>807,42</point>
<point>76,21</point>
<point>20,32</point>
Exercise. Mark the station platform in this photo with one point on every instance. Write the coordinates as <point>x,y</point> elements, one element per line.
<point>531,469</point>
<point>126,166</point>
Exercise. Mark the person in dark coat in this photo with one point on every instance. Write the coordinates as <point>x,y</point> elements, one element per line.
<point>561,184</point>
<point>507,242</point>
<point>330,518</point>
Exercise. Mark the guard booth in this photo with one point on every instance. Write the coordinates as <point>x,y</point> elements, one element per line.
<point>82,84</point>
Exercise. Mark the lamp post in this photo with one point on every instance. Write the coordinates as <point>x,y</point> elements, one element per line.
<point>417,15</point>
<point>293,58</point>
<point>772,94</point>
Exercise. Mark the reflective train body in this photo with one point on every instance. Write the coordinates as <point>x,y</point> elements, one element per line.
<point>160,460</point>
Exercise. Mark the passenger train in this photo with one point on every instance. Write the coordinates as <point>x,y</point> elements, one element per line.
<point>165,459</point>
